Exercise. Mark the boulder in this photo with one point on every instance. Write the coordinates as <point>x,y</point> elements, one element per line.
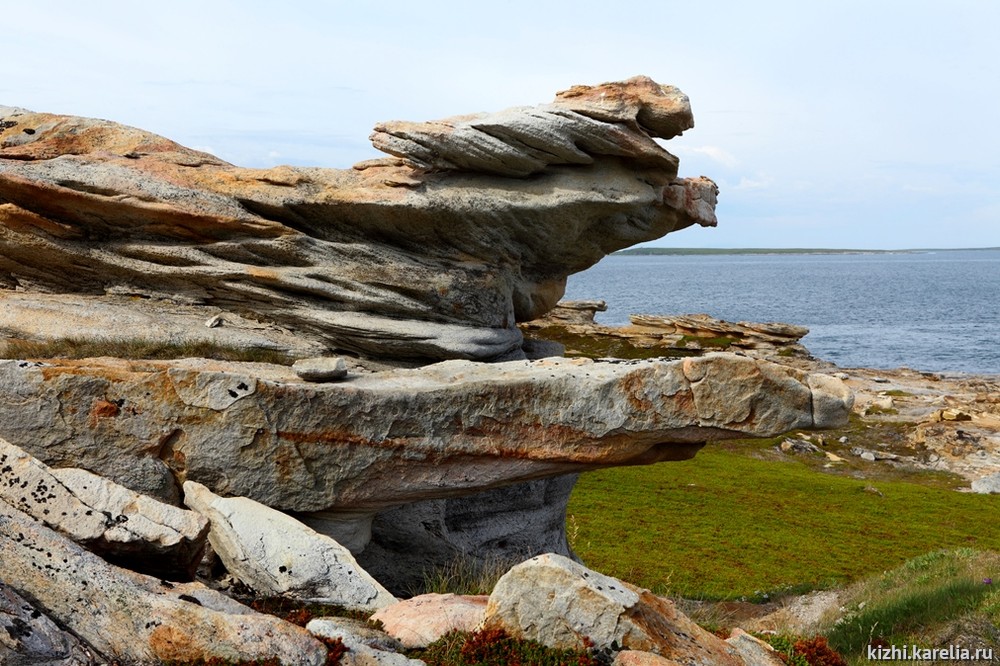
<point>135,618</point>
<point>385,439</point>
<point>122,525</point>
<point>27,637</point>
<point>419,621</point>
<point>753,651</point>
<point>562,604</point>
<point>365,645</point>
<point>987,485</point>
<point>434,255</point>
<point>277,555</point>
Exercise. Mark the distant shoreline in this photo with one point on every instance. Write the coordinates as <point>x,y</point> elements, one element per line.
<point>653,251</point>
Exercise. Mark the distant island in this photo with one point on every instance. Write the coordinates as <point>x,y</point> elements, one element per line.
<point>647,251</point>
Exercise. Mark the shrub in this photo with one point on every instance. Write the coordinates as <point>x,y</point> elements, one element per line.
<point>494,647</point>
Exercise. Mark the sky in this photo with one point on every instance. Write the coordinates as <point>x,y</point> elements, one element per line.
<point>831,124</point>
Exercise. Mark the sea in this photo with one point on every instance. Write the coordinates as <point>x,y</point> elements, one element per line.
<point>933,311</point>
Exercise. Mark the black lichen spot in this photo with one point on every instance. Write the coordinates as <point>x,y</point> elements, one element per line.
<point>242,386</point>
<point>233,394</point>
<point>18,628</point>
<point>282,569</point>
<point>28,130</point>
<point>188,598</point>
<point>167,584</point>
<point>7,124</point>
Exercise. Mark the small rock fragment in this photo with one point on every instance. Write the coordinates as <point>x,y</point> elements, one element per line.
<point>322,369</point>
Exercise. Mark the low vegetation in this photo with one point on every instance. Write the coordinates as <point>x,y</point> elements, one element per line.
<point>137,348</point>
<point>465,575</point>
<point>948,595</point>
<point>493,647</point>
<point>728,525</point>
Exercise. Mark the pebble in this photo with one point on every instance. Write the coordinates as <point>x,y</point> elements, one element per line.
<point>321,369</point>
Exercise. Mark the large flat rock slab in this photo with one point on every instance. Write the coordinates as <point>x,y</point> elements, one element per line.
<point>389,438</point>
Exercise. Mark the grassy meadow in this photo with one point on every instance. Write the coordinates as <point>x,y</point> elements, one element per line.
<point>731,525</point>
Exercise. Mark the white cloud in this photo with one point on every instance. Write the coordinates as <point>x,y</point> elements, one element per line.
<point>759,182</point>
<point>714,153</point>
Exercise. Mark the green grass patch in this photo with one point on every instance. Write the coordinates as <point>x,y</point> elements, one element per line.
<point>138,348</point>
<point>906,605</point>
<point>728,526</point>
<point>720,342</point>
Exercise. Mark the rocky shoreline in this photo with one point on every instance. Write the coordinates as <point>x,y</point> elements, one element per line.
<point>428,417</point>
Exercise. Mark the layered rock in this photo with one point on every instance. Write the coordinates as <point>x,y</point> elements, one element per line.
<point>380,440</point>
<point>434,255</point>
<point>572,324</point>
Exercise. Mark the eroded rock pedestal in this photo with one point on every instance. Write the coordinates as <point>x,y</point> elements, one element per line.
<point>416,267</point>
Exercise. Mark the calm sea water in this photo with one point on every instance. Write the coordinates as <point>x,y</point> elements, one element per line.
<point>932,311</point>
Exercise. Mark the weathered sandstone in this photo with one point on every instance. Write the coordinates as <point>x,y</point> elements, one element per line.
<point>136,618</point>
<point>561,603</point>
<point>381,440</point>
<point>122,525</point>
<point>276,555</point>
<point>433,256</point>
<point>419,621</point>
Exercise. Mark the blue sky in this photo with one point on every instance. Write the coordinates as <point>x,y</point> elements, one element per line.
<point>826,124</point>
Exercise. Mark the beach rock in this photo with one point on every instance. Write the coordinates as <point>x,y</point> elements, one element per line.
<point>320,369</point>
<point>277,555</point>
<point>122,525</point>
<point>987,485</point>
<point>572,323</point>
<point>433,256</point>
<point>953,415</point>
<point>365,645</point>
<point>752,650</point>
<point>386,439</point>
<point>135,618</point>
<point>27,637</point>
<point>559,602</point>
<point>419,621</point>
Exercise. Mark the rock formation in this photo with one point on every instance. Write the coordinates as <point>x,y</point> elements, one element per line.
<point>381,440</point>
<point>136,618</point>
<point>157,538</point>
<point>433,255</point>
<point>277,555</point>
<point>571,323</point>
<point>414,269</point>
